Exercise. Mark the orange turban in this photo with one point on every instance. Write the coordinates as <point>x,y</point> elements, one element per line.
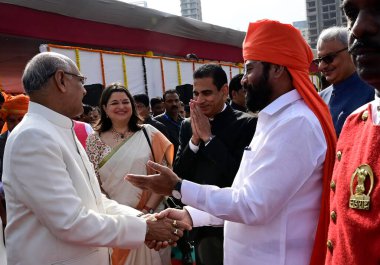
<point>14,105</point>
<point>282,44</point>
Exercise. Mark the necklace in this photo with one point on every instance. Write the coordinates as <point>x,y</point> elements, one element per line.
<point>120,136</point>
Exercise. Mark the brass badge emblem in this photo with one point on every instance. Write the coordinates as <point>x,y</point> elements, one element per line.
<point>359,200</point>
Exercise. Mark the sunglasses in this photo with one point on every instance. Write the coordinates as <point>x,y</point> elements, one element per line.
<point>329,58</point>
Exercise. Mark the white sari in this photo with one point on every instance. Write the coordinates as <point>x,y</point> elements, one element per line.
<point>131,156</point>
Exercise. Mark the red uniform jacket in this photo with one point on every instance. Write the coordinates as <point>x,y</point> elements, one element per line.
<point>354,234</point>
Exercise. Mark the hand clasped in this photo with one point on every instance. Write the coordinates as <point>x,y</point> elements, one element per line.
<point>164,231</point>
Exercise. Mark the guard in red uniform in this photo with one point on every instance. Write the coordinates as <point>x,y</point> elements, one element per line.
<point>354,230</point>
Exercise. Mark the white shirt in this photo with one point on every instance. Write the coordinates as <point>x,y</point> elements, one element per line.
<point>375,113</point>
<point>272,208</point>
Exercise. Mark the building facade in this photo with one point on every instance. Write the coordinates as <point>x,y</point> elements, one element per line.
<point>302,26</point>
<point>322,14</point>
<point>191,9</point>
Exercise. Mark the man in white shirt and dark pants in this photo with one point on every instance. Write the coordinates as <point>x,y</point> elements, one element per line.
<point>271,212</point>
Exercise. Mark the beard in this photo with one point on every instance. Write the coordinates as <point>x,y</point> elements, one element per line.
<point>259,94</point>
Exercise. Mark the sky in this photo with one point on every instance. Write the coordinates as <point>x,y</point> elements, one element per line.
<point>237,14</point>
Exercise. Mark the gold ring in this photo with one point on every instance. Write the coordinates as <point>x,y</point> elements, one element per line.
<point>175,231</point>
<point>175,223</point>
<point>170,241</point>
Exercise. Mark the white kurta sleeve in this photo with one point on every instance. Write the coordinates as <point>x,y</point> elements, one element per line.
<point>201,218</point>
<point>267,179</point>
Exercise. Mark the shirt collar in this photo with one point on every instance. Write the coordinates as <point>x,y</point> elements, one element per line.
<point>376,102</point>
<point>281,102</point>
<point>224,107</point>
<point>49,114</point>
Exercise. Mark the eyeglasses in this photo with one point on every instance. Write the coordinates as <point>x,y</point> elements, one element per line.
<point>82,78</point>
<point>329,58</point>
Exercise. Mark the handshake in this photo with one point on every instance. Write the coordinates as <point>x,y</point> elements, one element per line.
<point>166,227</point>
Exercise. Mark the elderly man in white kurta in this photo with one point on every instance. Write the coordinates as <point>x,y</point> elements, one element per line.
<point>272,210</point>
<point>56,211</point>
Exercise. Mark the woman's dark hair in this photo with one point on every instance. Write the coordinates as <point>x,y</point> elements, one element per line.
<point>105,123</point>
<point>87,109</point>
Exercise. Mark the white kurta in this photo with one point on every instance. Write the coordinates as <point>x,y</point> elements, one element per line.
<point>272,208</point>
<point>55,210</point>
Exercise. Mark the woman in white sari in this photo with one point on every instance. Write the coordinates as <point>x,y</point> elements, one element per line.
<point>120,146</point>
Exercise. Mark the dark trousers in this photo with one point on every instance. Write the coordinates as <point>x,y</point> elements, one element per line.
<point>209,247</point>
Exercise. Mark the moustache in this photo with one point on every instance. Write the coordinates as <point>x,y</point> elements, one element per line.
<point>246,86</point>
<point>366,44</point>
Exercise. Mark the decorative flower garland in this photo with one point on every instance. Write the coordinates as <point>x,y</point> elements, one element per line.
<point>124,71</point>
<point>145,79</point>
<point>179,73</point>
<point>162,76</point>
<point>77,58</point>
<point>102,68</point>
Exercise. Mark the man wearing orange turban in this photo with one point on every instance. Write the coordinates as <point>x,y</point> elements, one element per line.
<point>276,211</point>
<point>282,45</point>
<point>12,112</point>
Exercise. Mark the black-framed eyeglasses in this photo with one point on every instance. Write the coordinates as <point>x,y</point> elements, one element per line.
<point>82,78</point>
<point>329,58</point>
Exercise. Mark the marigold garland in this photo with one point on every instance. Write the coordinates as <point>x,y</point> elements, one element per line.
<point>162,76</point>
<point>77,58</point>
<point>102,68</point>
<point>179,73</point>
<point>145,78</point>
<point>124,71</point>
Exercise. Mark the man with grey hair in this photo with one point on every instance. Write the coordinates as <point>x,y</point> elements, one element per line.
<point>56,211</point>
<point>347,91</point>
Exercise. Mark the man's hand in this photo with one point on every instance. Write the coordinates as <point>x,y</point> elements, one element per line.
<point>165,229</point>
<point>195,139</point>
<point>199,122</point>
<point>181,220</point>
<point>181,215</point>
<point>162,183</point>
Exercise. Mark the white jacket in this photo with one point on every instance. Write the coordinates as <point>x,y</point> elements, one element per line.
<point>56,211</point>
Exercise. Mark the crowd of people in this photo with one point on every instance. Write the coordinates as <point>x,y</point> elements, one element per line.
<point>264,168</point>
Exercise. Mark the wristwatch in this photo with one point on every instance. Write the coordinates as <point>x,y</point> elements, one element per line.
<point>176,192</point>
